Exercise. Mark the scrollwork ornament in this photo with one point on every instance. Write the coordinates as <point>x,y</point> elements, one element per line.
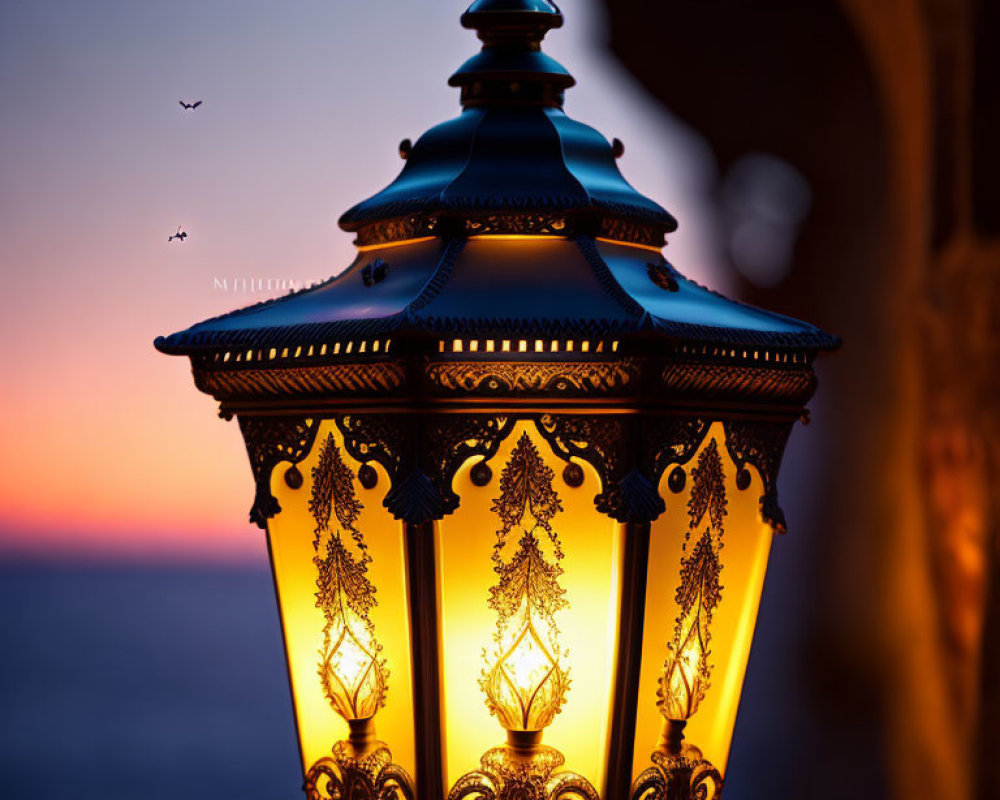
<point>627,494</point>
<point>683,776</point>
<point>762,445</point>
<point>269,441</point>
<point>510,377</point>
<point>670,440</point>
<point>422,454</point>
<point>451,440</point>
<point>375,437</point>
<point>348,775</point>
<point>503,775</point>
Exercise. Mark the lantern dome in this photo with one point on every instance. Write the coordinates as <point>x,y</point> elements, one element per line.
<point>510,305</point>
<point>511,219</point>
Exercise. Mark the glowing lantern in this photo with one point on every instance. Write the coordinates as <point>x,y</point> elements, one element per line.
<point>517,473</point>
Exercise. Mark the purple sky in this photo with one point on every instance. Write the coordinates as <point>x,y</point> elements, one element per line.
<point>105,445</point>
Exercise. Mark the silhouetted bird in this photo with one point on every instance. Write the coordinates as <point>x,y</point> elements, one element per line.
<point>181,234</point>
<point>190,106</point>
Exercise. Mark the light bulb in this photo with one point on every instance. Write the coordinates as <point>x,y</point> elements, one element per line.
<point>525,684</point>
<point>352,673</point>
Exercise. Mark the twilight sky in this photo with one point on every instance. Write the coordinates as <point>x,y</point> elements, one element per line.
<point>106,447</point>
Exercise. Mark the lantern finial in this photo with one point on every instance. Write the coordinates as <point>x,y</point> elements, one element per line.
<point>511,69</point>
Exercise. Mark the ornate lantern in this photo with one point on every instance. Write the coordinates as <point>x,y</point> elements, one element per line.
<point>517,473</point>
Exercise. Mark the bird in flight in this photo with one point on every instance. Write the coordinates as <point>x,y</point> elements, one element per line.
<point>190,106</point>
<point>181,234</point>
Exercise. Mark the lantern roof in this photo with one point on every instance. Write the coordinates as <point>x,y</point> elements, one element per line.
<point>510,220</point>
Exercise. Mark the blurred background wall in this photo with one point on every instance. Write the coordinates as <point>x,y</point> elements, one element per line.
<point>888,111</point>
<point>835,160</point>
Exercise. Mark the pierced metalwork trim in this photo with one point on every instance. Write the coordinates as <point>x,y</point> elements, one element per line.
<point>375,437</point>
<point>598,440</point>
<point>374,377</point>
<point>624,230</point>
<point>399,229</point>
<point>712,381</point>
<point>522,224</point>
<point>348,776</point>
<point>269,441</point>
<point>502,377</point>
<point>451,440</point>
<point>761,444</point>
<point>419,226</point>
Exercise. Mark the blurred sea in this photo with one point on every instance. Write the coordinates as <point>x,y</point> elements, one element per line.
<point>159,683</point>
<point>143,683</point>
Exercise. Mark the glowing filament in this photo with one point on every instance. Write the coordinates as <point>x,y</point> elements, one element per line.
<point>353,675</point>
<point>526,685</point>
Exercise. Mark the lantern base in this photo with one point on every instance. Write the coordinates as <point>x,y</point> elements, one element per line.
<point>679,771</point>
<point>365,773</point>
<point>523,769</point>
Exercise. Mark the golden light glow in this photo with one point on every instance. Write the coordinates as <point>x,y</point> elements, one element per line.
<point>339,659</point>
<point>651,247</point>
<point>350,667</point>
<point>702,677</point>
<point>518,237</point>
<point>527,685</point>
<point>367,248</point>
<point>587,627</point>
<point>524,680</point>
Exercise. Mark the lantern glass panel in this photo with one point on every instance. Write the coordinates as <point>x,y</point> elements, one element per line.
<point>318,668</point>
<point>717,571</point>
<point>591,545</point>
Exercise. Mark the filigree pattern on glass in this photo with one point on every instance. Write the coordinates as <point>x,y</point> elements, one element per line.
<point>351,669</point>
<point>687,670</point>
<point>525,680</point>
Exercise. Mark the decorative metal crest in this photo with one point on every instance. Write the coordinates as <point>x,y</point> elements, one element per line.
<point>761,444</point>
<point>628,494</point>
<point>269,441</point>
<point>670,440</point>
<point>422,455</point>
